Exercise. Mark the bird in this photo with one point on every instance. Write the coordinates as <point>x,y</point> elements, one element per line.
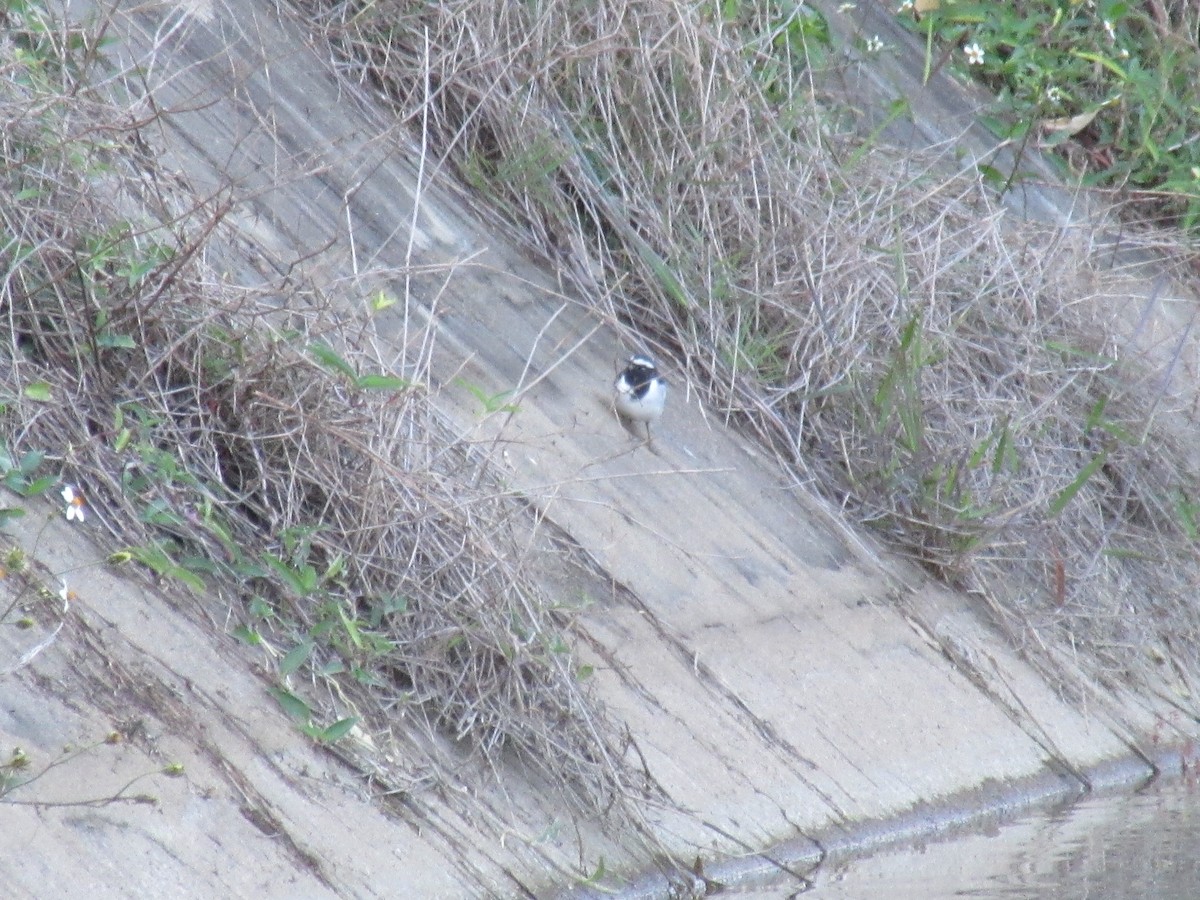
<point>641,392</point>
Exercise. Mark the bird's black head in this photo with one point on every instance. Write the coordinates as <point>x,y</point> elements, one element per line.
<point>640,371</point>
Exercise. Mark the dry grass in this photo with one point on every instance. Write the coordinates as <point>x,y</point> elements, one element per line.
<point>232,448</point>
<point>954,378</point>
<point>879,324</point>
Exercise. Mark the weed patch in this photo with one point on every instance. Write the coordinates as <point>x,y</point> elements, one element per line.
<point>953,379</point>
<point>250,457</point>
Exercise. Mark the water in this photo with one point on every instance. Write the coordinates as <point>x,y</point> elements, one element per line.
<point>1145,845</point>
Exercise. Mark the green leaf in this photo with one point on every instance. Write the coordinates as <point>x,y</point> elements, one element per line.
<point>248,568</point>
<point>1102,61</point>
<point>666,277</point>
<point>1187,513</point>
<point>333,667</point>
<point>110,340</point>
<point>1128,553</point>
<point>191,580</point>
<point>1067,494</point>
<point>352,629</point>
<point>156,558</point>
<point>386,607</point>
<point>990,174</point>
<point>328,357</point>
<point>491,402</point>
<point>896,109</point>
<point>381,301</point>
<point>247,635</point>
<point>337,730</point>
<point>200,565</point>
<point>598,875</point>
<point>1086,355</point>
<point>335,568</point>
<point>397,604</point>
<point>300,581</point>
<point>39,392</point>
<point>39,486</point>
<point>1005,452</point>
<point>295,658</point>
<point>296,708</point>
<point>158,512</point>
<point>383,382</point>
<point>30,461</point>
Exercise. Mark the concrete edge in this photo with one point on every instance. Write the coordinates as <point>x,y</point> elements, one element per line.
<point>992,805</point>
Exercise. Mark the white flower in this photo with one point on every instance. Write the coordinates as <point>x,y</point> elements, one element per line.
<point>74,501</point>
<point>1112,32</point>
<point>974,54</point>
<point>1054,94</point>
<point>874,44</point>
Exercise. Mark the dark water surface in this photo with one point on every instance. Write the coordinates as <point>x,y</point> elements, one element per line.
<point>1144,845</point>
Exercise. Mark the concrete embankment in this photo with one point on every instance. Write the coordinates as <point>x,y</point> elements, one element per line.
<point>788,688</point>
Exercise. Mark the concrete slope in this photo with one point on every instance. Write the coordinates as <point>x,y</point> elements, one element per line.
<point>133,685</point>
<point>781,680</point>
